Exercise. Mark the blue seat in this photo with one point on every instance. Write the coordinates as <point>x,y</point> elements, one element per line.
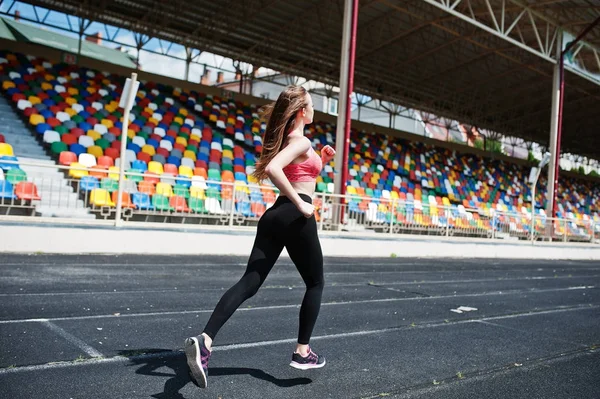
<point>7,166</point>
<point>240,176</point>
<point>133,147</point>
<point>142,201</point>
<point>139,165</point>
<point>88,183</point>
<point>244,208</point>
<point>183,181</point>
<point>6,190</point>
<point>42,127</point>
<point>77,149</point>
<point>174,160</point>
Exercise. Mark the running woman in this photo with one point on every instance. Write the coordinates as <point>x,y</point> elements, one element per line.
<point>290,162</point>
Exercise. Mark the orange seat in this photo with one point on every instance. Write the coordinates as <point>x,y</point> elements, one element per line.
<point>257,208</point>
<point>198,171</point>
<point>178,203</point>
<point>146,187</point>
<point>26,191</point>
<point>97,173</point>
<point>151,177</point>
<point>125,199</point>
<point>170,168</point>
<point>66,158</point>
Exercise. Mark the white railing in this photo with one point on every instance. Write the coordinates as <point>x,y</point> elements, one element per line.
<point>194,201</point>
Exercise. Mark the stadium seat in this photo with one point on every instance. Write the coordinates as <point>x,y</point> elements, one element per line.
<point>178,204</point>
<point>142,201</point>
<point>100,197</point>
<point>125,199</point>
<point>6,150</point>
<point>7,190</point>
<point>26,191</point>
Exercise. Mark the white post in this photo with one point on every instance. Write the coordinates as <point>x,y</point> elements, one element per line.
<point>127,97</point>
<point>554,127</point>
<point>392,216</point>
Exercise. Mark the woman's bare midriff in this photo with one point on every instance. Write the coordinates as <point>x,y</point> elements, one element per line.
<point>303,187</point>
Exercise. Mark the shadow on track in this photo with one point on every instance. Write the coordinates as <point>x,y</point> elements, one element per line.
<point>152,360</point>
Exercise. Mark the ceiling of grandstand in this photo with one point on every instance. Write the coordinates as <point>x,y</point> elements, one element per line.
<point>483,62</point>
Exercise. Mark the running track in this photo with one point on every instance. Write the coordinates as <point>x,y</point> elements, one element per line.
<point>113,327</point>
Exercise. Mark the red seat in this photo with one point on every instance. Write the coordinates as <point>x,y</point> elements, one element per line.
<point>77,132</point>
<point>68,139</point>
<point>112,152</point>
<point>66,158</point>
<point>2,139</point>
<point>106,161</point>
<point>179,146</point>
<point>26,191</point>
<point>151,178</point>
<point>163,151</point>
<point>142,156</point>
<point>178,203</point>
<point>116,145</point>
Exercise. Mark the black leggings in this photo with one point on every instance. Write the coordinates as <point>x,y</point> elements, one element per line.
<point>282,225</point>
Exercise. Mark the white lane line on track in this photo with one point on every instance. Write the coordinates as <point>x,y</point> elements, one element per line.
<point>182,312</point>
<point>72,339</point>
<point>122,359</point>
<point>267,287</point>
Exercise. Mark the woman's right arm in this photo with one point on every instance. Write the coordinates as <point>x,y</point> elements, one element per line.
<point>295,148</point>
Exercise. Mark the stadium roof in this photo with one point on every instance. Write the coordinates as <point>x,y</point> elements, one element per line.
<point>483,62</point>
<point>12,30</point>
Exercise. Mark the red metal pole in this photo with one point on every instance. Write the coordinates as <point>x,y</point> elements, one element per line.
<point>351,60</point>
<point>560,109</point>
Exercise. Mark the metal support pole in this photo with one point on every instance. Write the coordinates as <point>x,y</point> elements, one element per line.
<point>188,60</point>
<point>392,216</point>
<point>346,88</point>
<point>533,212</point>
<point>118,221</point>
<point>558,116</point>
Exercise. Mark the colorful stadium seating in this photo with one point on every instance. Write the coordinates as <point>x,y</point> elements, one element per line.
<point>181,143</point>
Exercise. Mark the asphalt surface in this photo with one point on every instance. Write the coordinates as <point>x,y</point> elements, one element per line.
<point>113,327</point>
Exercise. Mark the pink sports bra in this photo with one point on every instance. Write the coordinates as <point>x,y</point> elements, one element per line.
<point>304,171</point>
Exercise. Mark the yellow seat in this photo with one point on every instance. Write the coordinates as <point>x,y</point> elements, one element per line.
<point>107,122</point>
<point>195,137</point>
<point>34,100</point>
<point>227,154</point>
<point>186,171</point>
<point>197,192</point>
<point>6,149</point>
<point>77,174</point>
<point>91,90</point>
<point>7,84</point>
<point>114,172</point>
<point>70,111</point>
<point>350,190</point>
<point>95,151</point>
<point>190,154</point>
<point>394,195</point>
<point>130,134</point>
<point>213,118</point>
<point>73,91</point>
<point>148,149</point>
<point>164,189</point>
<point>101,197</point>
<point>178,119</point>
<point>36,119</point>
<point>155,167</point>
<point>46,86</point>
<point>183,111</point>
<point>93,134</point>
<point>70,100</point>
<point>181,140</point>
<point>254,180</point>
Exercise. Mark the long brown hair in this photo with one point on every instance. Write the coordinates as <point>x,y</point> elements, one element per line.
<point>280,116</point>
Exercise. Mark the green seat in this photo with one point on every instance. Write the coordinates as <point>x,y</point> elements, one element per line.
<point>16,175</point>
<point>196,205</point>
<point>214,174</point>
<point>228,167</point>
<point>61,129</point>
<point>161,203</point>
<point>212,192</point>
<point>135,178</point>
<point>143,134</point>
<point>109,185</point>
<point>369,192</point>
<point>181,190</point>
<point>77,118</point>
<point>321,187</point>
<point>57,147</point>
<point>190,147</point>
<point>103,143</point>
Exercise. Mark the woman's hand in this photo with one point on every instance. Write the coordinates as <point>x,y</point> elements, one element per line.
<point>327,154</point>
<point>307,209</point>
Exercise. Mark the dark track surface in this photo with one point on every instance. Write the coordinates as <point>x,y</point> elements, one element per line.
<point>113,327</point>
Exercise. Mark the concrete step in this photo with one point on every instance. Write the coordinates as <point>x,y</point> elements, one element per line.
<point>47,211</point>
